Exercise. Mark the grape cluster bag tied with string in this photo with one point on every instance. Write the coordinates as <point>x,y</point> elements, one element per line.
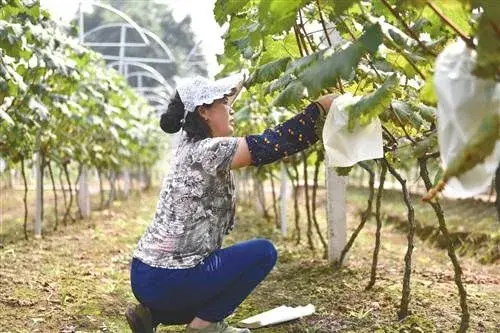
<point>344,148</point>
<point>464,102</point>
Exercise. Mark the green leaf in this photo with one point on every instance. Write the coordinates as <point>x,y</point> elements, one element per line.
<point>420,24</point>
<point>280,83</point>
<point>12,88</point>
<point>459,13</point>
<point>277,48</point>
<point>225,8</point>
<point>275,17</point>
<point>427,145</point>
<point>488,48</point>
<point>399,62</point>
<point>428,93</point>
<point>427,112</point>
<point>401,39</point>
<point>438,176</point>
<point>293,93</point>
<point>243,114</point>
<point>5,116</point>
<point>370,106</point>
<point>304,62</point>
<point>341,6</point>
<point>407,114</point>
<point>268,72</point>
<point>230,63</point>
<point>39,108</point>
<point>332,65</point>
<point>33,11</point>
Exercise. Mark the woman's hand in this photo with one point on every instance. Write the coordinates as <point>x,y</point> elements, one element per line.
<point>326,101</point>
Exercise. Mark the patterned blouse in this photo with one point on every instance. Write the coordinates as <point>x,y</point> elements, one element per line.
<point>196,206</point>
<point>197,203</point>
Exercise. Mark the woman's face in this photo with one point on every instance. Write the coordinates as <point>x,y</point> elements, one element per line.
<point>219,117</point>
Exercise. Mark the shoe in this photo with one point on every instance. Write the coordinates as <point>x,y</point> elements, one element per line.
<point>139,319</point>
<point>218,327</point>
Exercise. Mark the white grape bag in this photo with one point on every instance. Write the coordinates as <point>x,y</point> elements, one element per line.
<point>343,148</point>
<point>463,101</point>
<point>277,315</point>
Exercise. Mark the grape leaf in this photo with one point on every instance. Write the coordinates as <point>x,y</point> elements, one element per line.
<point>268,72</point>
<point>225,8</point>
<point>275,17</point>
<point>370,106</point>
<point>293,93</point>
<point>331,65</point>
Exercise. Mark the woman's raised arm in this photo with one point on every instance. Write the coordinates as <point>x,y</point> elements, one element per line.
<point>242,157</point>
<point>287,138</point>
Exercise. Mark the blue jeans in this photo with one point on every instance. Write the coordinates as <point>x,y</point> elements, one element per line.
<point>212,290</point>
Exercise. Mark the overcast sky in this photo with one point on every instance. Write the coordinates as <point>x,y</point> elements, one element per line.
<point>201,11</point>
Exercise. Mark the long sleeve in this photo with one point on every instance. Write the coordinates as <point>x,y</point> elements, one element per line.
<point>287,138</point>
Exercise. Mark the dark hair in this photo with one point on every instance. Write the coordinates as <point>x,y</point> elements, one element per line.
<point>194,125</point>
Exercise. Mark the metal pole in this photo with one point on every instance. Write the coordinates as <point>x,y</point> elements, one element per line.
<point>139,81</point>
<point>123,31</point>
<point>81,23</point>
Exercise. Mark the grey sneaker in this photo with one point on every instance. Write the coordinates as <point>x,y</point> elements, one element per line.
<point>219,327</point>
<point>139,319</point>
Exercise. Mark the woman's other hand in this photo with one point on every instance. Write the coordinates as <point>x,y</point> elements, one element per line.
<point>326,101</point>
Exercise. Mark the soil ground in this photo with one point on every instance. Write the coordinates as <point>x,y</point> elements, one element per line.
<point>77,278</point>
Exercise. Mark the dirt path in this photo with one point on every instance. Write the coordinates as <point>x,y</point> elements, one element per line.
<point>78,280</point>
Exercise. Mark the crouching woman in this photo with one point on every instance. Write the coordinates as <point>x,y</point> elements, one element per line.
<point>179,272</point>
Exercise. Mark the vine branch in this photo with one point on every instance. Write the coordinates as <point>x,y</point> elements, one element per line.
<point>436,206</point>
<point>405,297</point>
<point>380,191</point>
<point>323,23</point>
<point>407,28</point>
<point>444,18</point>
